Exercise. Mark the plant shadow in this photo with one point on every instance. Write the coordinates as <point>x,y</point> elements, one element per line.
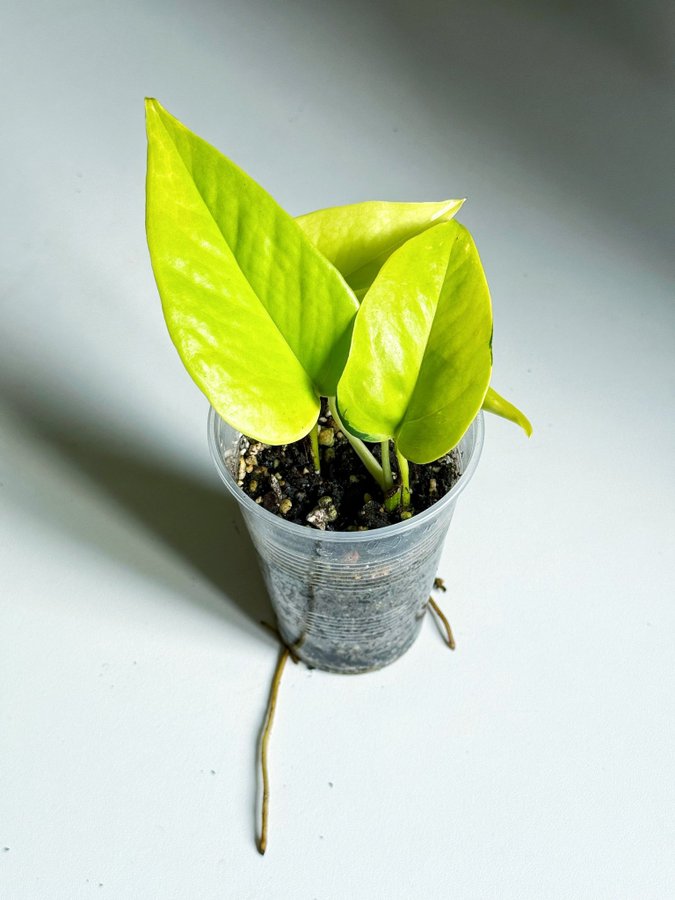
<point>198,522</point>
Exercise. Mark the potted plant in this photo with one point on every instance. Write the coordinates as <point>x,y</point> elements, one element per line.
<point>347,357</point>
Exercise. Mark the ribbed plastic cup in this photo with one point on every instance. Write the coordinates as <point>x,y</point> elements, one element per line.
<point>346,601</point>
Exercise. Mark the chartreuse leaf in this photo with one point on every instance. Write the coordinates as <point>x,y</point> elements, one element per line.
<point>261,320</point>
<point>360,237</point>
<point>500,406</point>
<point>420,362</point>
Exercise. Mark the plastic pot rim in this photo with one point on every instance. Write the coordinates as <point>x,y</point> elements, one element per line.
<point>337,536</point>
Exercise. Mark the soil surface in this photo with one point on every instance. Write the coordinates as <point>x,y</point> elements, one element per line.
<point>344,496</point>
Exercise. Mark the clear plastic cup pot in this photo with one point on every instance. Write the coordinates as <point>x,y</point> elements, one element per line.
<point>346,601</point>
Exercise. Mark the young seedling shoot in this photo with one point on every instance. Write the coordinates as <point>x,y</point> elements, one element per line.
<point>377,311</point>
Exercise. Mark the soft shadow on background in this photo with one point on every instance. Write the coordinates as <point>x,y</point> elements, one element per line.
<point>200,524</point>
<point>580,94</point>
<point>571,92</point>
<point>577,96</point>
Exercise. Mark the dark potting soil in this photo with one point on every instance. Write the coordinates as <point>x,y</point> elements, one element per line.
<point>344,496</point>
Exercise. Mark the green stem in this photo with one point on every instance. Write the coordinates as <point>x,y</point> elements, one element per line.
<point>314,440</point>
<point>386,466</point>
<point>404,475</point>
<point>392,500</point>
<point>360,448</point>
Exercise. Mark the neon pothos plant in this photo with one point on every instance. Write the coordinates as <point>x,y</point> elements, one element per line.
<point>382,308</point>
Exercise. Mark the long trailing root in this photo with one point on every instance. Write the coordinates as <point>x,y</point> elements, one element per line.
<point>439,612</point>
<point>264,742</point>
<point>284,654</point>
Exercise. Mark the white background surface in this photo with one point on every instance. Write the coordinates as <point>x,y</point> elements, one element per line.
<point>535,762</point>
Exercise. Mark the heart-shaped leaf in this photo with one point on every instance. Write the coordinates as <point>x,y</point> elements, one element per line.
<point>360,237</point>
<point>420,362</point>
<point>261,320</point>
<point>500,406</point>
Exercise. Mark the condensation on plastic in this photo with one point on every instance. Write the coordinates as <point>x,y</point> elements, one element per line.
<point>346,601</point>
